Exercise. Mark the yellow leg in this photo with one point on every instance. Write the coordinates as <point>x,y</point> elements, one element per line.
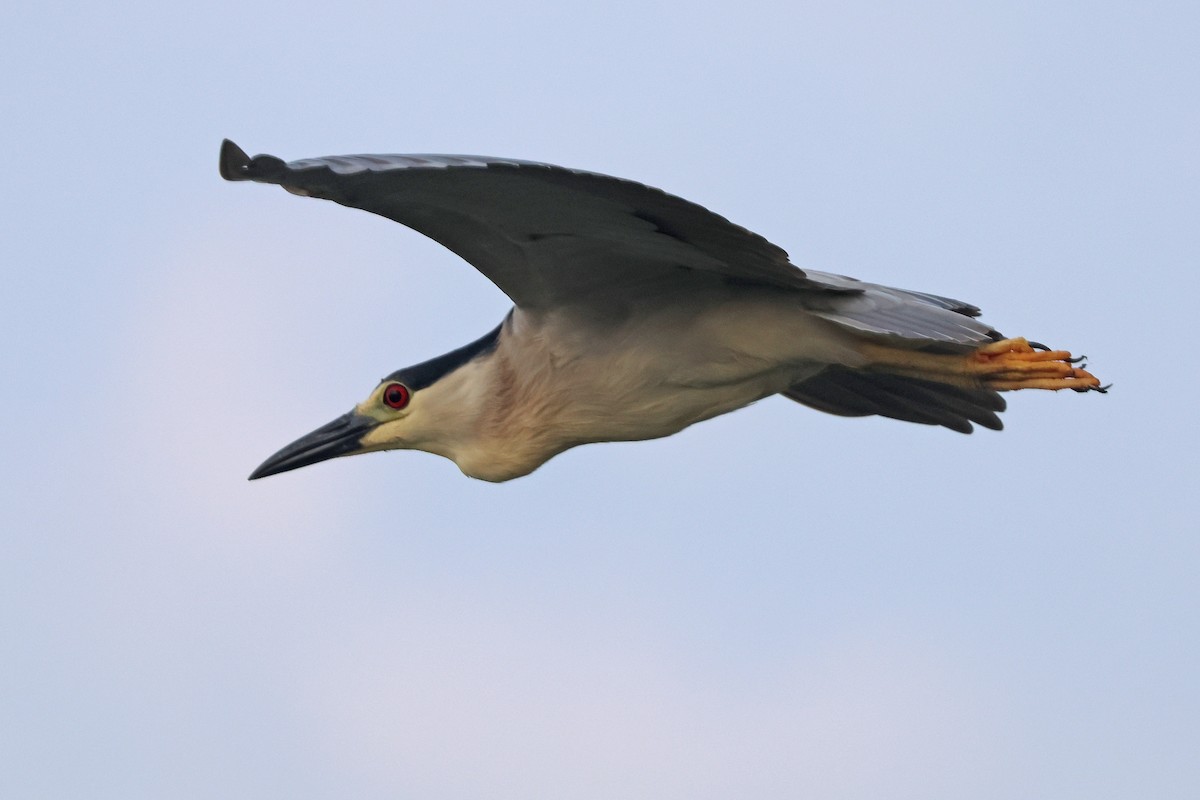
<point>1004,366</point>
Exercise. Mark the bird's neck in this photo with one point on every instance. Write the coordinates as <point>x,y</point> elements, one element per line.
<point>497,419</point>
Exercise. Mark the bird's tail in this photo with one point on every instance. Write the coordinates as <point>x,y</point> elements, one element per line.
<point>951,390</point>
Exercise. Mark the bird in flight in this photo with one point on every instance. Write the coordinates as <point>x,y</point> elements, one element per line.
<point>636,314</point>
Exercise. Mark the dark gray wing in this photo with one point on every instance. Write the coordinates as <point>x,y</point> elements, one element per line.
<point>545,235</point>
<point>860,393</point>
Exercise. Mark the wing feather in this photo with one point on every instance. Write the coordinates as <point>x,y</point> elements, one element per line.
<point>544,234</point>
<point>856,393</point>
<point>886,311</point>
<point>549,236</point>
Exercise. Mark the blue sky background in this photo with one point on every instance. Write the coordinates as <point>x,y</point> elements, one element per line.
<point>776,603</point>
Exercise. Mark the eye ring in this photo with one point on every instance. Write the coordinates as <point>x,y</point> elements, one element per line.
<point>396,395</point>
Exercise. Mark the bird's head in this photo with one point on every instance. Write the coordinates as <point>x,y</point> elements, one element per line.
<point>380,422</point>
<point>413,408</point>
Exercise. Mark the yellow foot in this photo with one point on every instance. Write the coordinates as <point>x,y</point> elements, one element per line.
<point>1012,364</point>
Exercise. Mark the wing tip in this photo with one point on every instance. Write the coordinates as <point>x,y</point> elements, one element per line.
<point>235,165</point>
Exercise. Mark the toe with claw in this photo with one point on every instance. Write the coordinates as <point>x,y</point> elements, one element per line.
<point>1011,364</point>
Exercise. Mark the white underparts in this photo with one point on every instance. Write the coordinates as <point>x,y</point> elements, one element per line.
<point>555,380</point>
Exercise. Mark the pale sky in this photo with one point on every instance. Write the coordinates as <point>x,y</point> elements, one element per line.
<point>776,603</point>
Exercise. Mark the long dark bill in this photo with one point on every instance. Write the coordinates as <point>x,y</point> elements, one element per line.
<point>338,438</point>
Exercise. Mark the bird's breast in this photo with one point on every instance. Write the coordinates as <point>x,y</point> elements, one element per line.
<point>557,380</point>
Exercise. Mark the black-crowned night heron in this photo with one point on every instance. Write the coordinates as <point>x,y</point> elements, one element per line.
<point>636,315</point>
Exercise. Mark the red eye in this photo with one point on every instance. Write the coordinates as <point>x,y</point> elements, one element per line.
<point>396,395</point>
